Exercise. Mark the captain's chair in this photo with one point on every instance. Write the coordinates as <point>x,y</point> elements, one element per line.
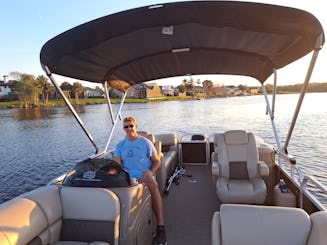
<point>238,169</point>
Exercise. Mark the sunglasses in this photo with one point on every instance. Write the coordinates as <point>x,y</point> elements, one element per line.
<point>129,126</point>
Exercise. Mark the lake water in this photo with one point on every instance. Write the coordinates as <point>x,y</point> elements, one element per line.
<point>37,145</point>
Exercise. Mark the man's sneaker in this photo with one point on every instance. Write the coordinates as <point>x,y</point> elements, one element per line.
<point>160,238</point>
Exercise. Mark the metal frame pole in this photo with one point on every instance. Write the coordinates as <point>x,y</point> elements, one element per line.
<point>271,116</point>
<point>71,108</point>
<point>108,101</point>
<point>299,103</point>
<point>115,120</point>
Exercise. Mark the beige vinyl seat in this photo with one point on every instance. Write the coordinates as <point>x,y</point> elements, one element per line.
<point>238,170</point>
<point>61,216</point>
<point>169,160</point>
<point>237,224</point>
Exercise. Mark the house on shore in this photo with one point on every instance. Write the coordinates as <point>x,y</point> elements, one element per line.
<point>145,91</point>
<point>92,93</point>
<point>4,87</point>
<point>219,91</point>
<point>254,90</point>
<point>167,90</point>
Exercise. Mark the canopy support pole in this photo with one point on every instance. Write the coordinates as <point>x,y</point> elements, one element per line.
<point>71,108</point>
<point>105,87</point>
<point>270,112</point>
<point>300,100</point>
<point>118,115</point>
<point>274,94</point>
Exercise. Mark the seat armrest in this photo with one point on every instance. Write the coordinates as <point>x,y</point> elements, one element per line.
<point>263,168</point>
<point>215,229</point>
<point>214,164</point>
<point>215,168</point>
<point>158,147</point>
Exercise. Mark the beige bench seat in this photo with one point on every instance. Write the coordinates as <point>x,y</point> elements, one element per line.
<point>170,157</point>
<point>237,224</point>
<point>61,216</point>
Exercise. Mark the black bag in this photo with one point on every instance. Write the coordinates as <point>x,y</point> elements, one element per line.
<point>110,175</point>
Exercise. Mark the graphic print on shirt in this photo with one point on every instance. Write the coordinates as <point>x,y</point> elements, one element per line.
<point>135,160</point>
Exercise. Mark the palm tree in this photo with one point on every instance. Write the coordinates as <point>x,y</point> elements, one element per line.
<point>47,88</point>
<point>207,87</point>
<point>77,89</point>
<point>189,86</point>
<point>25,89</point>
<point>66,87</point>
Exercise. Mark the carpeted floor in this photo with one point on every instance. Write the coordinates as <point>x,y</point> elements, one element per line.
<point>189,208</point>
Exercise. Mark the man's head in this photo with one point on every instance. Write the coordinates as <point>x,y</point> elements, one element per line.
<point>130,126</point>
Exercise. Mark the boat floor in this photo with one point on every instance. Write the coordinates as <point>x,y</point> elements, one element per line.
<point>189,207</point>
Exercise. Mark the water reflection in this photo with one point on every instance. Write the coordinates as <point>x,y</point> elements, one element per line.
<point>32,113</point>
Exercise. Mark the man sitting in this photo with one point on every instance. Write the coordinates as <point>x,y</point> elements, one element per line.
<point>139,157</point>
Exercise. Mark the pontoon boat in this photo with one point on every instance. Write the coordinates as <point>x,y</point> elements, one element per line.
<point>233,187</point>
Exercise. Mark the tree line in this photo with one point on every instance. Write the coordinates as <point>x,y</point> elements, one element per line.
<point>32,91</point>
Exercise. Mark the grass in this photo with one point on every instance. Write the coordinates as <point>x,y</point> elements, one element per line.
<point>89,101</point>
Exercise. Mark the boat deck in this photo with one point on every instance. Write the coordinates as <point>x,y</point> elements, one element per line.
<point>189,208</point>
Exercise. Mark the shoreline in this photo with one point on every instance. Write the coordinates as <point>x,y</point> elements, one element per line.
<point>94,101</point>
<point>87,101</point>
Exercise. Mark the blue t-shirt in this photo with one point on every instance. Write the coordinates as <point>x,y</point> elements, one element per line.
<point>135,155</point>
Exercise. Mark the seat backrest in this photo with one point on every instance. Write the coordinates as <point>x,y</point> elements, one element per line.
<point>32,218</point>
<point>48,199</point>
<point>50,214</point>
<point>237,155</point>
<point>318,234</point>
<point>90,214</point>
<point>147,135</point>
<point>168,141</point>
<point>256,225</point>
<point>21,222</point>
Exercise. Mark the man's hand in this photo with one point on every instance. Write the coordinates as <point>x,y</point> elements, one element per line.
<point>147,177</point>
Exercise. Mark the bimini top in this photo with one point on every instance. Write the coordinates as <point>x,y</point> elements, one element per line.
<point>174,39</point>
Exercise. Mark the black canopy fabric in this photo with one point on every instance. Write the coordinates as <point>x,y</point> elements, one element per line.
<point>175,39</point>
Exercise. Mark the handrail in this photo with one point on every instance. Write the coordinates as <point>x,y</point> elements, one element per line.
<point>302,182</point>
<point>317,184</point>
<point>287,157</point>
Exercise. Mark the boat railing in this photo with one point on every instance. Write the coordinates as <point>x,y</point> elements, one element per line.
<point>303,181</point>
<point>318,185</point>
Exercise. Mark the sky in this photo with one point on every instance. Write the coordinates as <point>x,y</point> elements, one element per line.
<point>25,26</point>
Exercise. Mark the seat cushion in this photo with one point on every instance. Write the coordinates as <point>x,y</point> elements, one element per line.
<point>90,214</point>
<point>257,225</point>
<point>251,191</point>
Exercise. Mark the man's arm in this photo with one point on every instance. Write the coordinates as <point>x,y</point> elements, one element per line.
<point>155,163</point>
<point>117,159</point>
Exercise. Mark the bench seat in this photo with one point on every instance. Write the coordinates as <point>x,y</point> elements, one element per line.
<point>169,159</point>
<point>244,224</point>
<point>61,216</point>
